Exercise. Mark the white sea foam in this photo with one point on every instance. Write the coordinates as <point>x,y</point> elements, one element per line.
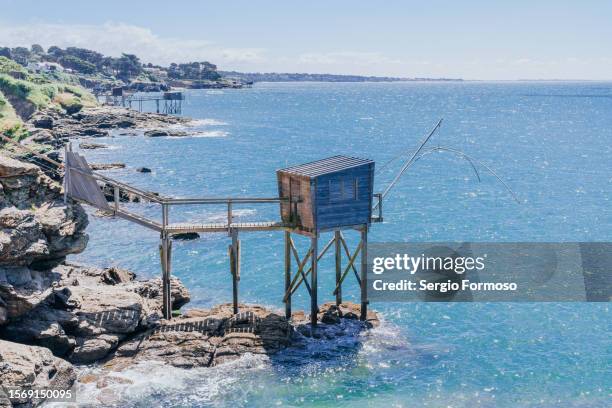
<point>203,122</point>
<point>198,123</point>
<point>316,358</point>
<point>210,133</point>
<point>141,381</point>
<point>196,134</point>
<point>201,128</point>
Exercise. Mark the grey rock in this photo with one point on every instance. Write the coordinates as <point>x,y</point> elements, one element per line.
<point>107,166</point>
<point>92,146</point>
<point>212,337</point>
<point>43,121</point>
<point>165,132</point>
<point>35,224</point>
<point>29,367</point>
<point>83,313</point>
<point>10,167</point>
<point>151,290</point>
<point>98,121</point>
<point>41,136</point>
<point>22,290</point>
<point>331,315</point>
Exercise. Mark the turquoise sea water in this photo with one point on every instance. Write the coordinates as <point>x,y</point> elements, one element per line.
<point>549,141</point>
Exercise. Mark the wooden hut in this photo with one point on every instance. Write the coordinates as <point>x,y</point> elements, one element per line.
<point>332,194</point>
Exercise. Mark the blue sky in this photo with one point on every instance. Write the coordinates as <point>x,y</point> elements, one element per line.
<point>468,39</point>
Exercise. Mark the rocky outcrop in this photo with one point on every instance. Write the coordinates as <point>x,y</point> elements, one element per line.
<point>92,146</point>
<point>165,133</point>
<point>37,230</point>
<point>12,168</point>
<point>43,122</point>
<point>107,166</point>
<point>30,367</point>
<point>203,338</point>
<point>36,226</point>
<point>21,290</point>
<point>81,313</point>
<point>97,121</point>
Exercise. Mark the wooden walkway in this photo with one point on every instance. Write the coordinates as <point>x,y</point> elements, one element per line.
<point>182,227</point>
<point>83,185</point>
<point>224,227</point>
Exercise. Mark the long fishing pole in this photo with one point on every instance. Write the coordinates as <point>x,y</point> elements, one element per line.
<point>409,162</point>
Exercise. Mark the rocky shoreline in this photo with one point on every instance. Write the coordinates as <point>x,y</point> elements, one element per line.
<point>56,316</point>
<point>54,128</point>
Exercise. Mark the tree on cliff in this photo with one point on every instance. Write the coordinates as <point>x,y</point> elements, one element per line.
<point>93,57</point>
<point>20,55</point>
<point>194,70</point>
<point>37,49</point>
<point>127,66</point>
<point>77,64</point>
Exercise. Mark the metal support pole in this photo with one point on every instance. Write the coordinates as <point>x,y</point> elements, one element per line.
<point>314,307</point>
<point>288,274</point>
<point>338,268</point>
<point>235,267</point>
<point>364,273</point>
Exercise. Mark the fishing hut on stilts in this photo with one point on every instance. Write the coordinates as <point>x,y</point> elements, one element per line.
<point>170,103</point>
<point>333,196</point>
<point>327,196</point>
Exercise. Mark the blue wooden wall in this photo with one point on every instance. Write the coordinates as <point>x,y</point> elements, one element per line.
<point>337,204</point>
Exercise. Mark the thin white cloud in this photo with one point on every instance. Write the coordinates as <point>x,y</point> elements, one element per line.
<point>114,38</point>
<point>347,57</point>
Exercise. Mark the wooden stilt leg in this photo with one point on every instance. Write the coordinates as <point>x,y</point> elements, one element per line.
<point>364,273</point>
<point>288,274</point>
<point>235,267</point>
<point>314,307</point>
<point>165,254</point>
<point>338,268</point>
<point>168,275</point>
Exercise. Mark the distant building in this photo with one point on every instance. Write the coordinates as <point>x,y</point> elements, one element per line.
<point>159,73</point>
<point>41,67</point>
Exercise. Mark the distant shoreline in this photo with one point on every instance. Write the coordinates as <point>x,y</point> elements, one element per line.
<point>304,77</point>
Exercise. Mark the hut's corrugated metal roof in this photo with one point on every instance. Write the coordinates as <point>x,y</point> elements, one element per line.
<point>325,166</point>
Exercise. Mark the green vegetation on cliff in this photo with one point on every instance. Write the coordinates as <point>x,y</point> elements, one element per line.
<point>23,93</point>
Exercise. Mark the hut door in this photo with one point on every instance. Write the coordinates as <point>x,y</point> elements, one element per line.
<point>295,189</point>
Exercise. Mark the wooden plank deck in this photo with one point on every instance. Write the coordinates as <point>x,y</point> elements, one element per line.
<point>223,227</point>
